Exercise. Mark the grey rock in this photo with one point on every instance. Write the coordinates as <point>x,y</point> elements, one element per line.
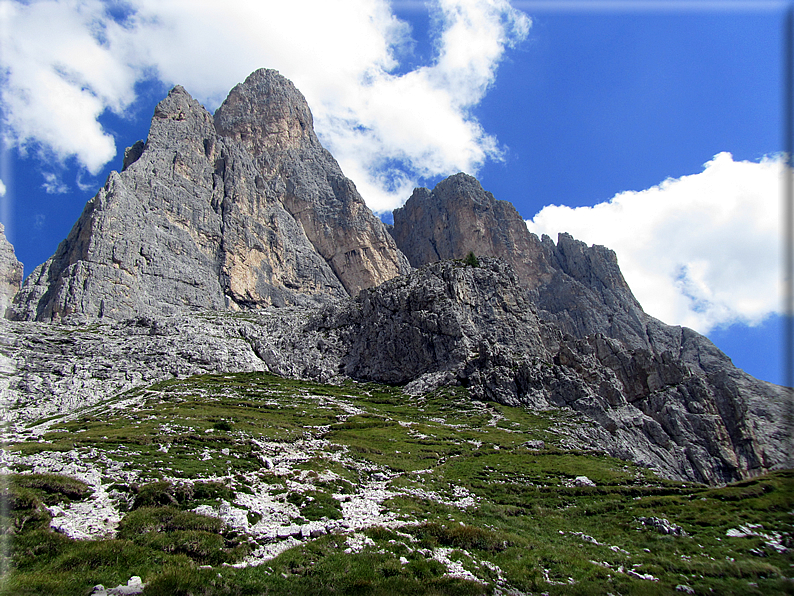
<point>666,396</point>
<point>134,586</point>
<point>535,444</point>
<point>578,288</point>
<point>270,119</point>
<point>203,217</point>
<point>10,273</point>
<point>445,324</point>
<point>662,525</point>
<point>445,318</point>
<point>459,217</point>
<point>55,370</point>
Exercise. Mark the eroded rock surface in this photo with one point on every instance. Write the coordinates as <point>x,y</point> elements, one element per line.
<point>624,361</point>
<point>457,217</point>
<point>244,210</point>
<point>10,272</point>
<point>269,118</point>
<point>444,324</point>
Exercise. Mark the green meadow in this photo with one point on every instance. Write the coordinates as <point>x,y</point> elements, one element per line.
<point>468,498</point>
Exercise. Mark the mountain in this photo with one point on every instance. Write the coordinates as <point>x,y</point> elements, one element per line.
<point>232,378</point>
<point>666,385</point>
<point>244,211</point>
<point>10,272</point>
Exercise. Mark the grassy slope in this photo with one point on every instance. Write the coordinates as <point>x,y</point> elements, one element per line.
<point>466,493</point>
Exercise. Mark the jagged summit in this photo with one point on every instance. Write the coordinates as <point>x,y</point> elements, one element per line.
<point>266,113</point>
<point>268,117</point>
<point>459,216</point>
<point>246,210</point>
<point>575,284</point>
<point>242,210</point>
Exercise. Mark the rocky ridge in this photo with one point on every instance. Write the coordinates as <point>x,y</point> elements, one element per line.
<point>630,360</point>
<point>201,217</point>
<point>245,211</point>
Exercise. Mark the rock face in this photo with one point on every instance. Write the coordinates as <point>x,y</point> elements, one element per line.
<point>457,217</point>
<point>682,408</point>
<point>444,324</point>
<point>580,288</point>
<point>246,211</point>
<point>241,211</point>
<point>10,272</point>
<point>614,362</point>
<point>269,118</point>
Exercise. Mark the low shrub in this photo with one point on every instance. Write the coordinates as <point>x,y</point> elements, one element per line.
<point>53,488</point>
<point>460,536</point>
<point>471,260</point>
<point>165,519</point>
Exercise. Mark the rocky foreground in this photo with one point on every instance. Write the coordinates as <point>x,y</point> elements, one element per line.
<point>250,483</point>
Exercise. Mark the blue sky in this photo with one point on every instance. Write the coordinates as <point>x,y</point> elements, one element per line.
<point>587,105</point>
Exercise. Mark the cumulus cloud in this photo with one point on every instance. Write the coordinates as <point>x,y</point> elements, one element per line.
<point>59,75</point>
<point>2,189</point>
<point>68,61</point>
<point>701,250</point>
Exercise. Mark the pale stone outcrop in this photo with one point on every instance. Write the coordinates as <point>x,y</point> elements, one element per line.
<point>269,118</point>
<point>242,211</point>
<point>10,272</point>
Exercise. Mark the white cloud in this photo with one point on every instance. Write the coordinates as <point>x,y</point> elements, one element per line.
<point>2,189</point>
<point>700,250</point>
<point>67,61</point>
<point>53,185</point>
<point>59,76</point>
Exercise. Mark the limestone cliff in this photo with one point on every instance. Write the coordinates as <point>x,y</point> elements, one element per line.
<point>457,217</point>
<point>269,118</point>
<point>10,272</point>
<point>241,211</point>
<point>615,363</point>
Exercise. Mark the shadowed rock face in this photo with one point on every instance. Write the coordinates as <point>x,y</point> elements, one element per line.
<point>457,217</point>
<point>640,379</point>
<point>241,211</point>
<point>581,288</point>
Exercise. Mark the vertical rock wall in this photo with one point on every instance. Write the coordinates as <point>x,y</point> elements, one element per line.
<point>10,272</point>
<point>240,211</point>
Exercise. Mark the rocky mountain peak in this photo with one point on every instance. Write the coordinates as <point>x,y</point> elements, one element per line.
<point>462,186</point>
<point>177,118</point>
<point>459,217</point>
<point>579,286</point>
<point>266,113</point>
<point>238,211</point>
